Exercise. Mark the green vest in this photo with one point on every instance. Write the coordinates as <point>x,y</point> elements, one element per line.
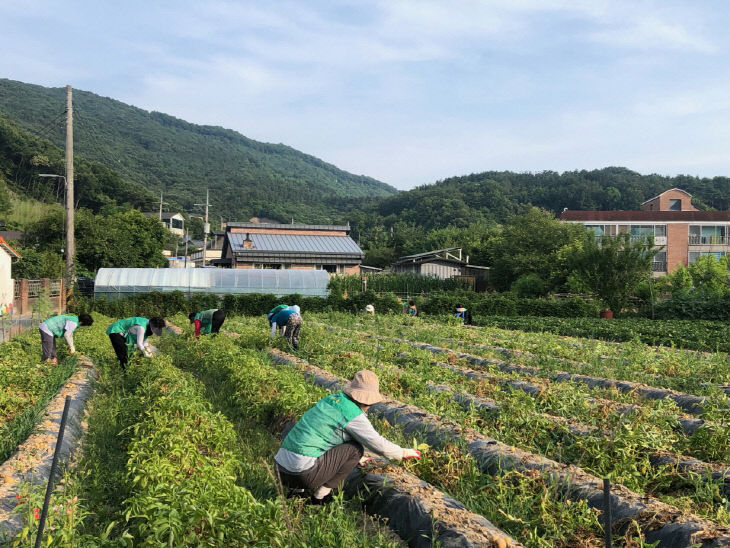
<point>322,427</point>
<point>206,320</point>
<point>57,324</point>
<point>122,326</point>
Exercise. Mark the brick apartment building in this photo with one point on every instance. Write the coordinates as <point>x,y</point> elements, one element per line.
<point>682,231</point>
<point>291,246</point>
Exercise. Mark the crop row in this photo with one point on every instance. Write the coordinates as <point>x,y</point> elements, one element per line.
<point>235,380</point>
<point>514,502</point>
<point>626,457</point>
<point>26,386</point>
<point>687,371</point>
<point>161,467</point>
<point>657,521</point>
<point>689,334</point>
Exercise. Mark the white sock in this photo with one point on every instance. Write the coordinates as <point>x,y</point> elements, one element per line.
<point>322,492</point>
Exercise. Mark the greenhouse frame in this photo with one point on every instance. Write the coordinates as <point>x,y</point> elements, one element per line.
<point>115,283</point>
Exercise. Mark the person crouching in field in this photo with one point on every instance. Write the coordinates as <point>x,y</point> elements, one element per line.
<point>56,326</point>
<point>207,321</point>
<point>125,334</point>
<point>329,440</point>
<point>288,321</point>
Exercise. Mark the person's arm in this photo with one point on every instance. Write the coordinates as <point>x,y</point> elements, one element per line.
<point>139,331</point>
<point>361,430</point>
<point>197,328</point>
<point>273,331</point>
<point>68,334</point>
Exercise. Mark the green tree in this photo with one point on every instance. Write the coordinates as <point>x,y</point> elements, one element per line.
<point>707,275</point>
<point>612,267</point>
<point>531,243</point>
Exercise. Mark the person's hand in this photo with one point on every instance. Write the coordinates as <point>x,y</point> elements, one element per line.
<point>72,351</point>
<point>364,461</point>
<point>411,454</point>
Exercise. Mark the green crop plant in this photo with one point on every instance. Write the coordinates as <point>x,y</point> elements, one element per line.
<point>26,385</point>
<point>623,456</point>
<point>253,393</point>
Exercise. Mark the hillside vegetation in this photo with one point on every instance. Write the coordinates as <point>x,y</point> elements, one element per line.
<point>162,153</point>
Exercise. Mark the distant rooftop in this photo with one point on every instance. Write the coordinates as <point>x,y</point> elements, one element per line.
<point>643,215</point>
<point>343,246</point>
<point>283,226</point>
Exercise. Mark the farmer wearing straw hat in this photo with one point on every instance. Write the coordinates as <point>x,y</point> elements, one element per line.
<point>329,440</point>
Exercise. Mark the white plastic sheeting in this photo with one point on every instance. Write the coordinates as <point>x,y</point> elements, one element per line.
<point>113,283</point>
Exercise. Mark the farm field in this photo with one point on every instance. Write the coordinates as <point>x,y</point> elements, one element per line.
<point>179,449</point>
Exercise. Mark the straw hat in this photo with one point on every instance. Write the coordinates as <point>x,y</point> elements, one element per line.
<point>364,388</point>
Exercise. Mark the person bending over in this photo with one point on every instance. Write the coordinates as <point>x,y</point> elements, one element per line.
<point>56,326</point>
<point>329,440</point>
<point>130,332</point>
<point>288,321</point>
<point>207,321</point>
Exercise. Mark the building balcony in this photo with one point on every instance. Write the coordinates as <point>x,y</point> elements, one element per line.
<point>709,240</point>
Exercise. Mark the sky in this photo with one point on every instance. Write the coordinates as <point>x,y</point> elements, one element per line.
<point>408,92</point>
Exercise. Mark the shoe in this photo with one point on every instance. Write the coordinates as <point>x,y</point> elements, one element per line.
<point>321,502</point>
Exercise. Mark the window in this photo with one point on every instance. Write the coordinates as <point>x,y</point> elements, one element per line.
<point>644,231</point>
<point>177,223</point>
<point>331,268</point>
<point>694,255</point>
<point>707,235</point>
<point>659,263</point>
<point>675,205</point>
<point>597,230</point>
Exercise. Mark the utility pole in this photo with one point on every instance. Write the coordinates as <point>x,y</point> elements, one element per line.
<point>161,202</point>
<point>70,239</point>
<point>206,225</point>
<point>187,237</point>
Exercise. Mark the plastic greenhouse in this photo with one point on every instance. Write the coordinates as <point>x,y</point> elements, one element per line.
<point>114,283</point>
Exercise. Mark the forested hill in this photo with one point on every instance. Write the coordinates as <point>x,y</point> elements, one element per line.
<point>162,153</point>
<point>23,156</point>
<point>495,195</point>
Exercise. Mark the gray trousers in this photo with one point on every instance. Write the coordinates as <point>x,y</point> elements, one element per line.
<point>330,470</point>
<point>48,345</point>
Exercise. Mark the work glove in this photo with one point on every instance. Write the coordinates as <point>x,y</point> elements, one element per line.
<point>364,461</point>
<point>411,454</point>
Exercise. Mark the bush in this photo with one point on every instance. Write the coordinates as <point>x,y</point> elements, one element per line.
<point>529,285</point>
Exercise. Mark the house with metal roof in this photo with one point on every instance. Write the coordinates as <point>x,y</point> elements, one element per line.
<point>291,246</point>
<point>681,232</point>
<point>444,264</point>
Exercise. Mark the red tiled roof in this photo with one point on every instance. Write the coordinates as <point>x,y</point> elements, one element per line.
<point>686,216</point>
<point>4,245</point>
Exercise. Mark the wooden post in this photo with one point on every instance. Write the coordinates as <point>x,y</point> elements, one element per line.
<point>23,299</point>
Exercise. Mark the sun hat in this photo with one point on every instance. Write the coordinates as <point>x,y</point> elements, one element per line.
<point>364,388</point>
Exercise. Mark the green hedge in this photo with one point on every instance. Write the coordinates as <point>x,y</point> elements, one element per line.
<point>250,304</point>
<point>694,307</point>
